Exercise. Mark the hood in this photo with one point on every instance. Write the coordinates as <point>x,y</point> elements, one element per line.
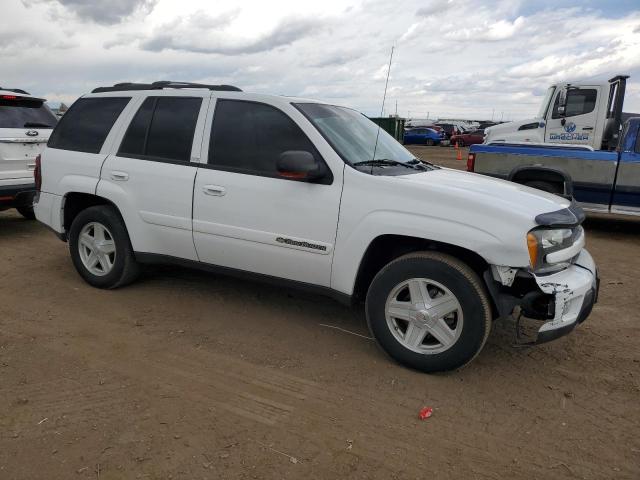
<point>497,132</point>
<point>502,198</point>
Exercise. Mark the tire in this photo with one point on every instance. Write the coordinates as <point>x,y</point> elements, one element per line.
<point>115,245</point>
<point>26,211</point>
<point>445,278</point>
<point>545,186</point>
<point>429,142</point>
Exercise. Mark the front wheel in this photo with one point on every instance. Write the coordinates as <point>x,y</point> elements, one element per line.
<point>429,311</point>
<point>100,248</point>
<point>429,142</point>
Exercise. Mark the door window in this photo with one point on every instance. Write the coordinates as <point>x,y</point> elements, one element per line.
<point>580,101</point>
<point>85,126</point>
<point>162,129</point>
<point>248,137</point>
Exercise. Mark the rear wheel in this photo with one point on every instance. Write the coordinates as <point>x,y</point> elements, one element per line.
<point>26,211</point>
<point>429,311</point>
<point>546,186</point>
<point>100,248</point>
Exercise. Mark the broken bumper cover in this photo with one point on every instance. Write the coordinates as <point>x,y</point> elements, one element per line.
<point>575,291</point>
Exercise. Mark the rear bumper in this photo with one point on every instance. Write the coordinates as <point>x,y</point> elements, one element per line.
<point>17,195</point>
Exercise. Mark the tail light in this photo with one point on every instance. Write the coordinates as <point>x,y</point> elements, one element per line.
<point>471,162</point>
<point>37,174</point>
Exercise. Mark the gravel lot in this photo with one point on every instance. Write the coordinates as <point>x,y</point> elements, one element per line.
<point>188,375</point>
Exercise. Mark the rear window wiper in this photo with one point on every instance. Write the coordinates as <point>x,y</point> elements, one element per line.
<point>36,125</point>
<point>383,162</point>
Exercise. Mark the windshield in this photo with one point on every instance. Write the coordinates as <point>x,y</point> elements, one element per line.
<point>353,136</point>
<point>545,103</point>
<point>25,113</point>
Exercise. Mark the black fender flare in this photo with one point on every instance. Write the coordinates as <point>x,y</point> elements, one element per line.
<point>568,183</point>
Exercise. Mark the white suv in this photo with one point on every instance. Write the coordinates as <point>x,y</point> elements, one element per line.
<point>25,126</point>
<point>311,195</point>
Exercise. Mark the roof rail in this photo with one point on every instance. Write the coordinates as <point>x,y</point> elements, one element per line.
<point>119,87</point>
<point>15,90</point>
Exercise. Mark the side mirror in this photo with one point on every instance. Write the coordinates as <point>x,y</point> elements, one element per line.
<point>299,165</point>
<point>562,102</point>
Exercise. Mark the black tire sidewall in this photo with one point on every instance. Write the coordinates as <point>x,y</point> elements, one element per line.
<point>27,212</point>
<point>544,186</point>
<point>474,311</point>
<point>108,217</point>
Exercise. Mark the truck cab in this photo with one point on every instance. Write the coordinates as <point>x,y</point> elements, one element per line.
<point>578,113</point>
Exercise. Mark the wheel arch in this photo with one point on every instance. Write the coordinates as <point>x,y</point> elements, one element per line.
<point>75,202</point>
<point>387,247</point>
<point>527,173</point>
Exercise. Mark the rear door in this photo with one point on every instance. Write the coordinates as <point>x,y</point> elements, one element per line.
<point>626,196</point>
<point>150,177</point>
<point>578,125</point>
<point>25,126</point>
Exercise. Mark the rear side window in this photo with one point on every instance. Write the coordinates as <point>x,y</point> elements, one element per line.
<point>162,129</point>
<point>24,112</point>
<point>248,137</point>
<point>85,126</point>
<point>580,101</point>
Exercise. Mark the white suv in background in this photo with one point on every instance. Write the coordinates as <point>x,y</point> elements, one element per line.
<point>25,126</point>
<point>316,196</point>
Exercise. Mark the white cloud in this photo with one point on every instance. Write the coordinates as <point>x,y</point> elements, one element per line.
<point>462,58</point>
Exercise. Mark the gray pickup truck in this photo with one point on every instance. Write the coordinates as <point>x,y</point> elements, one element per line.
<point>599,180</point>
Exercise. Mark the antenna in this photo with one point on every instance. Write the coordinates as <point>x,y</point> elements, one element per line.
<point>384,97</point>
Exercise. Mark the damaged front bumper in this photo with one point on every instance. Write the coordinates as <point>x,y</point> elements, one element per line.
<point>575,290</point>
<point>560,300</point>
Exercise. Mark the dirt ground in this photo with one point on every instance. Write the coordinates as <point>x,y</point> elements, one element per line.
<point>186,375</point>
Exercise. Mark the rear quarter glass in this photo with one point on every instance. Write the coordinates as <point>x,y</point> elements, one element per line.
<point>85,126</point>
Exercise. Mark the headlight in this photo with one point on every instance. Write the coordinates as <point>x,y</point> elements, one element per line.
<point>542,242</point>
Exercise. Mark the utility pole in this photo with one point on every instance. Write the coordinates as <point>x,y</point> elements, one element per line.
<point>396,107</point>
<point>493,111</point>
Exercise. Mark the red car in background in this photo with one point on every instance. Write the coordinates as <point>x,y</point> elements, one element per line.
<point>468,138</point>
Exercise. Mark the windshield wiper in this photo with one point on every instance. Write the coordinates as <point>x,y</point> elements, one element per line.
<point>36,125</point>
<point>423,163</point>
<point>383,162</point>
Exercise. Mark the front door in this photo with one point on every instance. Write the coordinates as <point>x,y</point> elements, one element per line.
<point>578,125</point>
<point>151,176</point>
<point>245,215</point>
<point>626,196</point>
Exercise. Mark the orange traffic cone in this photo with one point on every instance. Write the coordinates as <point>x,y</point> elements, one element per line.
<point>459,155</point>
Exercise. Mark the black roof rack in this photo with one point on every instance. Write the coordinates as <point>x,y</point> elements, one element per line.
<point>15,90</point>
<point>119,87</point>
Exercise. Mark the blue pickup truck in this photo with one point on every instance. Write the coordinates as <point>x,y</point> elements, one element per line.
<point>599,180</point>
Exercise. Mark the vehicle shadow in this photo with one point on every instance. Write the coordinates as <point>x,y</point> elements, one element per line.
<point>12,225</point>
<point>613,224</point>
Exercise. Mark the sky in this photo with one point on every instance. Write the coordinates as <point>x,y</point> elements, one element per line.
<point>464,58</point>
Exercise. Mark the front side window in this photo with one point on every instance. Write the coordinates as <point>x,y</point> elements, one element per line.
<point>249,137</point>
<point>162,129</point>
<point>580,101</point>
<point>85,126</point>
<point>360,142</point>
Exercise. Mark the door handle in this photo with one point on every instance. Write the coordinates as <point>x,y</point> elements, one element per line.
<point>214,190</point>
<point>119,176</point>
<point>587,128</point>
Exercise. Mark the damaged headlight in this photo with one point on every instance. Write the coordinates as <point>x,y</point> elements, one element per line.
<point>542,242</point>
